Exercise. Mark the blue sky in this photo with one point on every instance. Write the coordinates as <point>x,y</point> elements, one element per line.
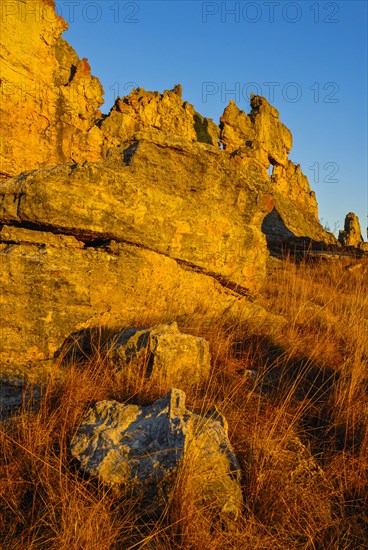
<point>308,58</point>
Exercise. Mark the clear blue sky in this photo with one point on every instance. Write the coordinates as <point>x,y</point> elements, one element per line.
<point>308,58</point>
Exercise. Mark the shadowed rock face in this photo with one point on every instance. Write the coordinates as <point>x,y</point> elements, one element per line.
<point>142,449</point>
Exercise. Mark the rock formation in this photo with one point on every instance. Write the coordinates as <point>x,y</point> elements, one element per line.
<point>261,136</point>
<point>109,219</point>
<point>351,235</point>
<point>49,100</point>
<point>169,357</point>
<point>152,112</point>
<point>167,228</point>
<point>143,449</point>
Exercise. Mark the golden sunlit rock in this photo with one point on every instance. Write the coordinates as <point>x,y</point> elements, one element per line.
<point>49,100</point>
<point>151,211</point>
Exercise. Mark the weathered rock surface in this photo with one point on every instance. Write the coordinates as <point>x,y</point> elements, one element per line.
<point>152,112</point>
<point>143,449</point>
<point>53,285</point>
<point>165,226</point>
<point>161,353</point>
<point>153,202</point>
<point>49,100</point>
<point>169,356</point>
<point>50,116</point>
<point>351,235</point>
<point>261,136</point>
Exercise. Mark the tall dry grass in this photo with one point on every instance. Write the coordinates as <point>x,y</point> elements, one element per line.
<point>305,382</point>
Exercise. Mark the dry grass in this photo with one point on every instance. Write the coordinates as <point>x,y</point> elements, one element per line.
<point>311,383</point>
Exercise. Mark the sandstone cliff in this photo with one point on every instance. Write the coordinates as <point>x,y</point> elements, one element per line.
<point>49,115</point>
<point>49,100</point>
<point>262,136</point>
<point>141,212</point>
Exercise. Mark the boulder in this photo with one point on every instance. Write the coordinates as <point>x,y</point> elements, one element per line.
<point>169,356</point>
<point>142,450</point>
<point>162,228</point>
<point>53,285</point>
<point>160,353</point>
<point>351,235</point>
<point>182,200</point>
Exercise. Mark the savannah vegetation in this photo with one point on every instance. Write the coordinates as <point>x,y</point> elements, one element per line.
<point>309,384</point>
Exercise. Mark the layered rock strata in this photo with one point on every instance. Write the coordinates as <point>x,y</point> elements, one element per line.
<point>165,229</point>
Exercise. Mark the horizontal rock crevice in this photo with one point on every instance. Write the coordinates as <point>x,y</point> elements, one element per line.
<point>99,241</point>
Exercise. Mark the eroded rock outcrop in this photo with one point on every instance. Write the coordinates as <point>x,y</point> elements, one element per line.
<point>143,449</point>
<point>152,112</point>
<point>152,201</point>
<point>262,136</point>
<point>351,235</point>
<point>160,230</point>
<point>49,100</point>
